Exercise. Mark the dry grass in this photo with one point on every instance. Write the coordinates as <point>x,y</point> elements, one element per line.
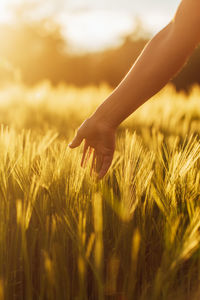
<point>134,235</point>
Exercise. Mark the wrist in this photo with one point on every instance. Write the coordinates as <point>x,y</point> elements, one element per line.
<point>102,117</point>
<point>108,113</point>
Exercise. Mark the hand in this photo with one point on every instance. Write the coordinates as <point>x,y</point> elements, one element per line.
<point>99,139</point>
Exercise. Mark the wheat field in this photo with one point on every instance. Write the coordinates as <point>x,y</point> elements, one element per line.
<point>135,235</point>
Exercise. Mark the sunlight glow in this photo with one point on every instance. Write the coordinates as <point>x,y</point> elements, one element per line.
<point>3,11</point>
<point>96,29</point>
<point>93,25</point>
<point>155,21</point>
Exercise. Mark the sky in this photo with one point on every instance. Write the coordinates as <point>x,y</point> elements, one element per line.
<point>95,24</point>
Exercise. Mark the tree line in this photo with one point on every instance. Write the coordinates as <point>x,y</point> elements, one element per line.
<point>36,50</point>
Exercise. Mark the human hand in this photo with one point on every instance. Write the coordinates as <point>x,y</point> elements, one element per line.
<point>100,139</point>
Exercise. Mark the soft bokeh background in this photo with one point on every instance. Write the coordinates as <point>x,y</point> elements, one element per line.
<point>81,42</point>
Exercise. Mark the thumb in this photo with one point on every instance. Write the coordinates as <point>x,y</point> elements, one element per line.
<point>76,141</point>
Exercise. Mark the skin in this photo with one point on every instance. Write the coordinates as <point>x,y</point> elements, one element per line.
<point>159,62</point>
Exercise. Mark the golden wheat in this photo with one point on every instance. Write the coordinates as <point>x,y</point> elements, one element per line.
<point>134,235</point>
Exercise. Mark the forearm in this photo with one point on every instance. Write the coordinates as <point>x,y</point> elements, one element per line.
<point>161,59</point>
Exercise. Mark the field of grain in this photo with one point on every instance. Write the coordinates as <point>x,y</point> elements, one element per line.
<point>135,235</point>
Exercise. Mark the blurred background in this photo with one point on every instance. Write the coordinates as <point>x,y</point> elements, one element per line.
<point>81,42</point>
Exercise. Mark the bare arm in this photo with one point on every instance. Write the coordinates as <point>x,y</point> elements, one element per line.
<point>161,59</point>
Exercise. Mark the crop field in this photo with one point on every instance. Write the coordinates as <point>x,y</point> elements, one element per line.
<point>135,235</point>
